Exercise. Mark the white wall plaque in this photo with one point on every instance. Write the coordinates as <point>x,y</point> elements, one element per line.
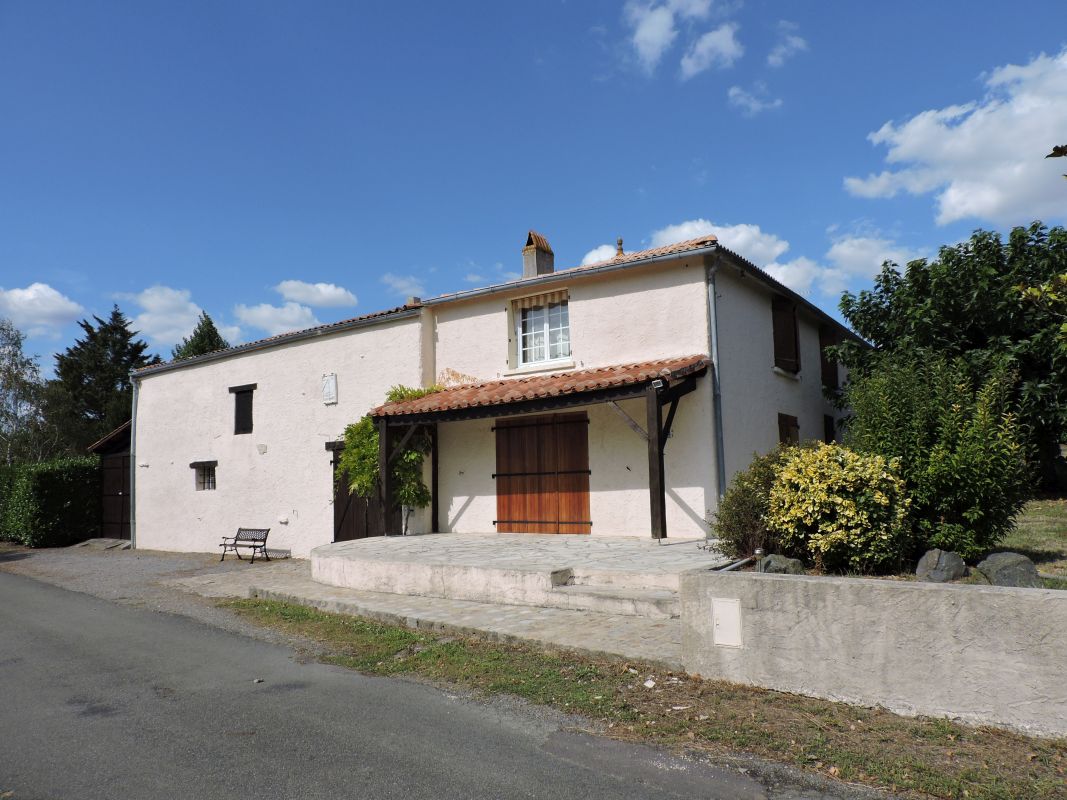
<point>726,621</point>
<point>329,389</point>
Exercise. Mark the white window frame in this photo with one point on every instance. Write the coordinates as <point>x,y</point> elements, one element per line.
<point>546,308</point>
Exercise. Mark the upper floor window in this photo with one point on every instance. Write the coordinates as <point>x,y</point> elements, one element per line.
<point>542,328</point>
<point>242,407</point>
<point>786,334</point>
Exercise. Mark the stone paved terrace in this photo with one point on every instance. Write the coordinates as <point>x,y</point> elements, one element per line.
<point>628,576</point>
<point>591,559</point>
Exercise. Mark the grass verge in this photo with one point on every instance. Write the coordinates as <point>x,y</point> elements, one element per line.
<point>1040,534</point>
<point>870,746</point>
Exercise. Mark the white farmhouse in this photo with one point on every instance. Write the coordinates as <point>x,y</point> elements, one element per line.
<point>611,399</point>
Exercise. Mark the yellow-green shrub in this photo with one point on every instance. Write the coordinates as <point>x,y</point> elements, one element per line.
<point>841,510</point>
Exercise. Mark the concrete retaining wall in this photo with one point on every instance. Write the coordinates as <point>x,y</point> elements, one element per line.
<point>980,654</point>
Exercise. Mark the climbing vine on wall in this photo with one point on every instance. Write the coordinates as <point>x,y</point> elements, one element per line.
<point>359,459</point>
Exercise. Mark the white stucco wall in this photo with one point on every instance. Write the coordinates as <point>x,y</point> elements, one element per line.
<point>280,471</point>
<point>753,392</point>
<point>628,316</point>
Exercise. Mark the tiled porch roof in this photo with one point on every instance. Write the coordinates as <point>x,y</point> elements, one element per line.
<point>505,391</point>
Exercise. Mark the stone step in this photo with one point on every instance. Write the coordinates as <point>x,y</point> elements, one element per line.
<point>649,603</point>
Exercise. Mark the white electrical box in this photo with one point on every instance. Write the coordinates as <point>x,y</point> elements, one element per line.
<point>726,621</point>
<point>329,389</point>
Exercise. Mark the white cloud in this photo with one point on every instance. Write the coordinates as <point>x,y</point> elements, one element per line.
<point>752,104</point>
<point>717,48</point>
<point>983,159</point>
<point>276,319</point>
<point>167,315</point>
<point>604,252</point>
<point>38,310</point>
<point>315,294</point>
<point>473,277</point>
<point>653,26</point>
<point>747,240</point>
<point>404,285</point>
<point>653,32</point>
<point>851,258</point>
<point>800,274</point>
<point>789,44</point>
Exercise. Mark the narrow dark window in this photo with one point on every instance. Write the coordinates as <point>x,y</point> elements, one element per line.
<point>205,475</point>
<point>788,429</point>
<point>786,336</point>
<point>242,407</point>
<point>829,429</point>
<point>828,338</point>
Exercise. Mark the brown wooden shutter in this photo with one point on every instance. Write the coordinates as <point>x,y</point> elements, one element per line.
<point>786,337</point>
<point>788,429</point>
<point>828,338</point>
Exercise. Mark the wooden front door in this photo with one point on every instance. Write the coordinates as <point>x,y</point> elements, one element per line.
<point>542,474</point>
<point>356,517</point>
<point>115,496</point>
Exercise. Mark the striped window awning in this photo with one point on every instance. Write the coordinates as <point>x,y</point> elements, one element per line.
<point>559,296</point>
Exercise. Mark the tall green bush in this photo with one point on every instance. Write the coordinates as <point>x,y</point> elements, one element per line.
<point>960,448</point>
<point>8,475</point>
<point>52,504</point>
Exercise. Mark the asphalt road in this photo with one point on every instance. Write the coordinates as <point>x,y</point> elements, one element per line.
<point>99,700</point>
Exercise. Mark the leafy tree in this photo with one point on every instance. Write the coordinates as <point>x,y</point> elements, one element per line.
<point>957,444</point>
<point>205,338</point>
<point>23,435</point>
<point>359,459</point>
<point>965,305</point>
<point>91,393</point>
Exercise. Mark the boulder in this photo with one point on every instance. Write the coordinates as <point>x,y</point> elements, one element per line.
<point>781,565</point>
<point>1010,569</point>
<point>940,566</point>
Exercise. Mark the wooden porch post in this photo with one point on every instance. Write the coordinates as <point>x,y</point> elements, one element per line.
<point>657,489</point>
<point>435,518</point>
<point>385,473</point>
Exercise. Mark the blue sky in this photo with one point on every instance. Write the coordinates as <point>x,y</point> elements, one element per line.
<point>280,164</point>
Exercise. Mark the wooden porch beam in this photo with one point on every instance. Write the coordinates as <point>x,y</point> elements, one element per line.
<point>628,420</point>
<point>435,512</point>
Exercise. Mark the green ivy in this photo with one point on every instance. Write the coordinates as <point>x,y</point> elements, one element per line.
<point>359,459</point>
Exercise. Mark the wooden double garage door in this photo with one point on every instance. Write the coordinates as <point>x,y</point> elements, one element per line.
<point>542,474</point>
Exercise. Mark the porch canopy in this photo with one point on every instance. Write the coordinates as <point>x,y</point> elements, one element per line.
<point>662,383</point>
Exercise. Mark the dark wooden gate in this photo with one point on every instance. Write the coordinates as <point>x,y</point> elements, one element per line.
<point>542,474</point>
<point>355,517</point>
<point>115,496</point>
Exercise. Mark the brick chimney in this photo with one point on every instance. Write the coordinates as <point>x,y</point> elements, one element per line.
<point>537,256</point>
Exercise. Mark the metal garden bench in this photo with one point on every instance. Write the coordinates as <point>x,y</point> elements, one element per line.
<point>252,538</point>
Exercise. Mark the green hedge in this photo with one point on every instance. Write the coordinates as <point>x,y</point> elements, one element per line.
<point>52,504</point>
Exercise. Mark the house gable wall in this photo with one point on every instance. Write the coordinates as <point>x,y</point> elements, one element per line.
<point>753,391</point>
<point>280,471</point>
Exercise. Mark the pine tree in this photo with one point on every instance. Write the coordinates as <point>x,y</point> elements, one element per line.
<point>205,338</point>
<point>91,394</point>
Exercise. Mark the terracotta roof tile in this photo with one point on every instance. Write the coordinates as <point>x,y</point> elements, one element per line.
<point>533,387</point>
<point>655,252</point>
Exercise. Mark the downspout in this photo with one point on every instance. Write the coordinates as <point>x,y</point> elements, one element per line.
<point>133,466</point>
<point>711,267</point>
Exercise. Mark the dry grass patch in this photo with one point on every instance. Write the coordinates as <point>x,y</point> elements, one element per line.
<point>643,703</point>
